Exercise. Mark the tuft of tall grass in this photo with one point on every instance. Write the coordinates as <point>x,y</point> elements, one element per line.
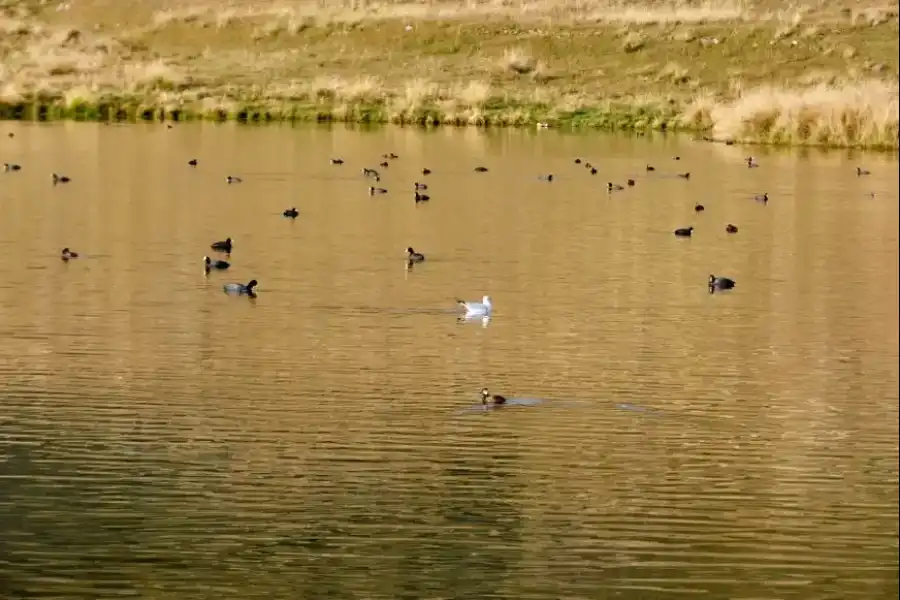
<point>863,114</point>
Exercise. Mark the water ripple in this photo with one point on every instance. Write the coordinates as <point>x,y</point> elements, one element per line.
<point>159,438</point>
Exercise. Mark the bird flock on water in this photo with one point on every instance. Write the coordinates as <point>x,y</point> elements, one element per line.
<point>468,309</point>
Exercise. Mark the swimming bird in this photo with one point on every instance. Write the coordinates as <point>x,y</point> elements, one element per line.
<point>414,257</point>
<point>861,171</point>
<point>487,398</point>
<point>481,169</point>
<point>548,177</point>
<point>240,288</point>
<point>685,175</point>
<point>593,171</point>
<point>612,187</point>
<point>11,167</point>
<point>291,213</point>
<point>193,162</point>
<point>426,171</point>
<point>630,183</point>
<point>375,190</point>
<point>650,168</point>
<point>676,158</point>
<point>420,186</point>
<point>390,155</point>
<point>223,246</point>
<point>684,231</point>
<point>337,161</point>
<point>59,178</point>
<point>477,309</point>
<point>762,197</point>
<point>422,197</point>
<point>215,264</point>
<point>371,173</point>
<point>577,161</point>
<point>588,165</point>
<point>720,283</point>
<point>731,228</point>
<point>66,254</point>
<point>233,179</point>
<point>384,165</point>
<point>750,163</point>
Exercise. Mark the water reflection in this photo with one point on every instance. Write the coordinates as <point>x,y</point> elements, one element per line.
<point>484,320</point>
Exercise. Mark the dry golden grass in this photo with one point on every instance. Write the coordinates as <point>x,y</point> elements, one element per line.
<point>291,15</point>
<point>764,71</point>
<point>825,113</point>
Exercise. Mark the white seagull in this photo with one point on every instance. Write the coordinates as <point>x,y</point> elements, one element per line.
<point>477,309</point>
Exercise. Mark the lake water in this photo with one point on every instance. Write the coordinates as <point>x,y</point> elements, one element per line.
<point>161,439</point>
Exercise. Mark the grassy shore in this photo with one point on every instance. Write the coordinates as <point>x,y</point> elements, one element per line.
<point>817,73</point>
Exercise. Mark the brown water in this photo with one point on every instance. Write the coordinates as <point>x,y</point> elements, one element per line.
<point>161,439</point>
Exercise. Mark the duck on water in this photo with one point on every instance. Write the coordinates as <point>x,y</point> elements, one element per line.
<point>720,283</point>
<point>240,289</point>
<point>489,399</point>
<point>414,257</point>
<point>210,264</point>
<point>223,246</point>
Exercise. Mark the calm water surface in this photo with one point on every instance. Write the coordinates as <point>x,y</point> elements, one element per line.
<point>160,439</point>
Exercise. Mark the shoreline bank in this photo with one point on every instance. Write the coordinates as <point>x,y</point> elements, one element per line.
<point>823,75</point>
<point>603,118</point>
<point>610,119</point>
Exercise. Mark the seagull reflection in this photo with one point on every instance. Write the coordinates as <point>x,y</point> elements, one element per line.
<point>483,319</point>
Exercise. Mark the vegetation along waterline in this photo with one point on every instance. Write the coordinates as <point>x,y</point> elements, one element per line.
<point>817,73</point>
